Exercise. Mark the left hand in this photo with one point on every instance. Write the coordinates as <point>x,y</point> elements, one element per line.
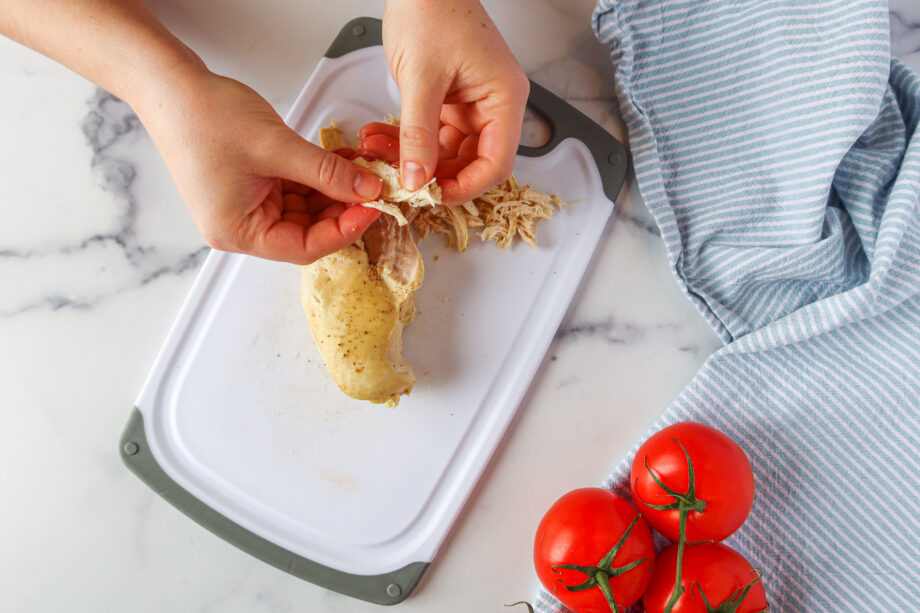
<point>463,95</point>
<point>252,184</point>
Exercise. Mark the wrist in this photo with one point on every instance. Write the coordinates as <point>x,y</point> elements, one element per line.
<point>166,67</point>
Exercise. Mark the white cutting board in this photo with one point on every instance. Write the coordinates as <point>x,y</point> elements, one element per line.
<point>241,413</point>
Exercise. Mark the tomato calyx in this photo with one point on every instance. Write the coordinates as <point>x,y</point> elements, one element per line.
<point>599,576</point>
<point>734,601</point>
<point>686,501</point>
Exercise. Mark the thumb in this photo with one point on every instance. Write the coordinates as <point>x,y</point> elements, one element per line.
<point>418,130</point>
<point>296,159</point>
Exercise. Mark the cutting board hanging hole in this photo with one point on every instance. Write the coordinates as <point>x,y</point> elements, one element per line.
<point>535,131</point>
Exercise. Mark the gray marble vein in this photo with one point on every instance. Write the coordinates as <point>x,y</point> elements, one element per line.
<point>122,258</point>
<point>641,222</point>
<point>609,329</point>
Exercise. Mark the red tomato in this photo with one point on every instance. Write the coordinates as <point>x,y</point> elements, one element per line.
<point>713,573</point>
<point>583,528</point>
<point>723,481</point>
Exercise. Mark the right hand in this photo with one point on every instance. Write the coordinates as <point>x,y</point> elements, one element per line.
<point>463,95</point>
<point>252,184</point>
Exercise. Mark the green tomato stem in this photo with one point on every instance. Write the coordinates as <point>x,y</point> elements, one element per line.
<point>603,582</point>
<point>678,588</point>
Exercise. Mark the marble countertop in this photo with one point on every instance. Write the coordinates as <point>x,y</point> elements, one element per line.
<point>97,252</point>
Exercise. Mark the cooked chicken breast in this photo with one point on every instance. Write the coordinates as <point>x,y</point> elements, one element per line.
<point>357,301</point>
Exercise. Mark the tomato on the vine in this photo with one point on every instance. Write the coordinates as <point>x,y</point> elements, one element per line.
<point>715,578</point>
<point>594,551</point>
<point>695,467</point>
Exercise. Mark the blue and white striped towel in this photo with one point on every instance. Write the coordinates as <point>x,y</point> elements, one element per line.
<point>775,142</point>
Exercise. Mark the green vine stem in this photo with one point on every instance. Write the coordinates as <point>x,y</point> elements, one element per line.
<point>678,586</point>
<point>523,602</point>
<point>683,503</point>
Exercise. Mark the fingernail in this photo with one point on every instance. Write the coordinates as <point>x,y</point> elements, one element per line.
<point>367,185</point>
<point>412,176</point>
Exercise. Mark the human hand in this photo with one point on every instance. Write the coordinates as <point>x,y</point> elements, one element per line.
<point>455,152</point>
<point>463,96</point>
<point>252,184</point>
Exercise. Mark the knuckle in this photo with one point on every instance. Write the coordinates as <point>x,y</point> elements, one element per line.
<point>217,240</point>
<point>224,237</point>
<point>329,169</point>
<point>415,136</point>
<point>521,85</point>
<point>504,171</point>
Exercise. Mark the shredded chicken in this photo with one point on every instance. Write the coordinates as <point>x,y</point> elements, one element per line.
<point>506,211</point>
<point>388,208</point>
<point>510,209</point>
<point>394,193</point>
<point>452,222</point>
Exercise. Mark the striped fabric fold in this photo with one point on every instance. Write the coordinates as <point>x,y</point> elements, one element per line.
<point>775,143</point>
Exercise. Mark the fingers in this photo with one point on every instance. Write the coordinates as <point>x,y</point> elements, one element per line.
<point>492,155</point>
<point>306,229</point>
<point>449,169</point>
<point>449,140</point>
<point>297,188</point>
<point>291,157</point>
<point>289,241</point>
<point>300,218</point>
<point>295,203</point>
<point>469,148</point>
<point>498,141</point>
<point>297,209</point>
<point>376,127</point>
<point>471,180</point>
<point>381,146</point>
<point>461,116</point>
<point>331,212</point>
<point>275,198</point>
<point>418,130</point>
<point>312,203</point>
<point>455,149</point>
<point>334,233</point>
<point>346,152</point>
